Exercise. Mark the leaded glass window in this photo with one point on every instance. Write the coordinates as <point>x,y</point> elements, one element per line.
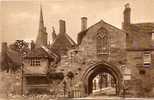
<point>102,42</point>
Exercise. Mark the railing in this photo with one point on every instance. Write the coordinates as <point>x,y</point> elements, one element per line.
<point>77,92</point>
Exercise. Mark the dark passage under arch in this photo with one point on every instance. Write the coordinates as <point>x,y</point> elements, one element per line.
<point>98,68</point>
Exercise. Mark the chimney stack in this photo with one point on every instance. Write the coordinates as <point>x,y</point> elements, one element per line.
<point>62,28</point>
<point>127,14</point>
<point>83,23</point>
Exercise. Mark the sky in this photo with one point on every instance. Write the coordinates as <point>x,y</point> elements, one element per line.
<point>20,18</point>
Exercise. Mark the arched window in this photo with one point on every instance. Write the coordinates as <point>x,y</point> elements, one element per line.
<point>102,42</point>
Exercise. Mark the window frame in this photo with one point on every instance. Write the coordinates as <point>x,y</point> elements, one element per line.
<point>147,59</point>
<point>102,42</point>
<point>35,62</point>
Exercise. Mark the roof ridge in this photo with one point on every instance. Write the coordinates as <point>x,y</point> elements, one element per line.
<point>70,39</point>
<point>116,27</point>
<point>144,23</point>
<point>51,53</point>
<point>67,37</point>
<point>92,25</point>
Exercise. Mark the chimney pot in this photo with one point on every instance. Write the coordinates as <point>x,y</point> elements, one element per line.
<point>62,28</point>
<point>83,23</point>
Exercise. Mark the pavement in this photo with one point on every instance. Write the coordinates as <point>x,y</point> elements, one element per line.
<point>111,98</point>
<point>88,98</point>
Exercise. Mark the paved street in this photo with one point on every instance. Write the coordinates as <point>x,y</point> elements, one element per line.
<point>86,98</point>
<point>111,98</point>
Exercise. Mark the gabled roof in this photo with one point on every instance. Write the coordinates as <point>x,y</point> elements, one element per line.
<point>52,53</point>
<point>66,36</point>
<point>70,39</point>
<point>62,44</point>
<point>43,52</point>
<point>37,52</point>
<point>83,33</point>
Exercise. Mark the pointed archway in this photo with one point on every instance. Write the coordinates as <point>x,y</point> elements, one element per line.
<point>98,68</point>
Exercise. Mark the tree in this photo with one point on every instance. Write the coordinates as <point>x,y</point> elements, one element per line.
<point>70,75</point>
<point>20,46</point>
<point>12,59</point>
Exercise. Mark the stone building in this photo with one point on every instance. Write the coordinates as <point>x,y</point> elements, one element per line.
<point>101,48</point>
<point>126,54</point>
<point>42,36</point>
<point>62,42</point>
<point>140,54</point>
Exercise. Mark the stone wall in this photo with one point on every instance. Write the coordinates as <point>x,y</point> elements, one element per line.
<point>116,44</point>
<point>138,39</point>
<point>81,58</point>
<point>141,77</point>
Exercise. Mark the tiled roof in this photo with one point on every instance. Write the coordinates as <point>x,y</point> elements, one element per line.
<point>70,39</point>
<point>38,52</point>
<point>43,52</point>
<point>66,36</point>
<point>144,27</point>
<point>83,33</point>
<point>63,43</point>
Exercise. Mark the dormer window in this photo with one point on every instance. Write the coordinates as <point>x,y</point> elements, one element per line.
<point>35,62</point>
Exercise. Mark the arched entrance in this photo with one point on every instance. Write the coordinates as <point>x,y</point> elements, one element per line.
<point>98,68</point>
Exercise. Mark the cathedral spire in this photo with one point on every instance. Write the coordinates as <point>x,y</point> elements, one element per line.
<point>42,34</point>
<point>41,19</point>
<point>53,34</point>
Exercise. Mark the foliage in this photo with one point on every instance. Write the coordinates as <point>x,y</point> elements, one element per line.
<point>8,66</point>
<point>12,59</point>
<point>20,46</point>
<point>70,75</point>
